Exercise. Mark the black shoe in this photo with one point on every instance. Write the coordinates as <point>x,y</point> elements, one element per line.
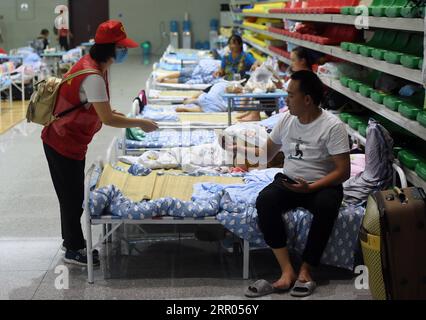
<point>95,252</point>
<point>79,258</point>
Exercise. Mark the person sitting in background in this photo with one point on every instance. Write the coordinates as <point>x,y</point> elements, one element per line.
<point>236,62</point>
<point>201,73</point>
<point>300,60</point>
<point>42,42</point>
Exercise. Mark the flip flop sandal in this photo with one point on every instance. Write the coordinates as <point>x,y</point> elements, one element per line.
<point>303,289</point>
<point>262,288</point>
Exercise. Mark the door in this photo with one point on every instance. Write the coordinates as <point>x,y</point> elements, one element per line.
<point>85,17</point>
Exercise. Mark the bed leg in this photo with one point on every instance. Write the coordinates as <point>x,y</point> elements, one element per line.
<point>89,253</point>
<point>104,232</point>
<point>246,259</point>
<point>109,228</point>
<point>230,107</point>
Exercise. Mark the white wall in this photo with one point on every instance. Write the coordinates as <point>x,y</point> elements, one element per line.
<point>16,33</point>
<point>142,18</point>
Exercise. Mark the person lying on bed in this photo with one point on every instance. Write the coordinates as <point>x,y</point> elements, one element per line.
<point>316,148</point>
<point>201,73</point>
<point>300,60</point>
<point>210,101</point>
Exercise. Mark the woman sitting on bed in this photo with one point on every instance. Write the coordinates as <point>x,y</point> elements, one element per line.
<point>236,62</point>
<point>201,73</point>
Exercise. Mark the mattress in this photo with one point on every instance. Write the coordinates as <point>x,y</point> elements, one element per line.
<point>172,138</point>
<point>122,195</point>
<point>171,95</point>
<point>181,86</point>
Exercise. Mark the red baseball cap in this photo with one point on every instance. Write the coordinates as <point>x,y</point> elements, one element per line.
<point>112,31</point>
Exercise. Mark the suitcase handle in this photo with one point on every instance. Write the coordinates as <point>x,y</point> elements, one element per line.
<point>401,195</point>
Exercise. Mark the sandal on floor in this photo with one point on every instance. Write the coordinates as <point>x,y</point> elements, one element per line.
<point>262,288</point>
<point>303,289</point>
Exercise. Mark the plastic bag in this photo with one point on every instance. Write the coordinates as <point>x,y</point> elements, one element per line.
<point>329,70</point>
<point>158,160</point>
<point>262,79</point>
<point>247,133</point>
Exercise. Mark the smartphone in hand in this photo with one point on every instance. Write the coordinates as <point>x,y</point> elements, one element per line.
<point>288,180</point>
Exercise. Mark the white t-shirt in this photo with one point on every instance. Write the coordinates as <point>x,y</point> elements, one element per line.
<point>308,147</point>
<point>93,89</point>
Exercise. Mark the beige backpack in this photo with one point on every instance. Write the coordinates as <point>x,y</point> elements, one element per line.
<point>43,100</point>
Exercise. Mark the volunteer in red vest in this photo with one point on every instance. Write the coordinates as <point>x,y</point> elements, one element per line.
<point>66,140</point>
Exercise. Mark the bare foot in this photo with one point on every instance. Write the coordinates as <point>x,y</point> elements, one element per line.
<point>285,282</point>
<point>251,117</point>
<point>304,276</point>
<point>242,115</point>
<point>189,101</point>
<point>180,109</point>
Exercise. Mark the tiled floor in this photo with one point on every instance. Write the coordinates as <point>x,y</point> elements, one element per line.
<point>189,269</point>
<point>30,235</point>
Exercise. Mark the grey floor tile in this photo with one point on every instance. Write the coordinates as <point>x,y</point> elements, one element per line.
<point>19,285</point>
<point>27,254</point>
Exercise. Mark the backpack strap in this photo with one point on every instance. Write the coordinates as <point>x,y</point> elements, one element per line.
<point>70,77</point>
<point>79,73</point>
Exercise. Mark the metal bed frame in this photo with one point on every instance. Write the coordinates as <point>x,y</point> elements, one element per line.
<point>19,86</point>
<point>152,84</point>
<point>166,125</point>
<point>253,102</point>
<point>110,225</point>
<point>121,142</point>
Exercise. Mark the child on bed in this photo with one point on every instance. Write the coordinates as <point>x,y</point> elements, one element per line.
<point>211,101</point>
<point>201,73</point>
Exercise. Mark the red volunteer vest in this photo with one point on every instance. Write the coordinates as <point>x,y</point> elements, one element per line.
<point>71,134</point>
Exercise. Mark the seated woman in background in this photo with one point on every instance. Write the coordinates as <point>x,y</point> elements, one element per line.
<point>211,100</point>
<point>201,73</point>
<point>236,62</point>
<point>300,60</point>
